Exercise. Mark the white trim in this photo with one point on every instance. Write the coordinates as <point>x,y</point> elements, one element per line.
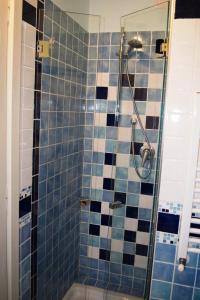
<point>3,140</point>
<point>13,120</point>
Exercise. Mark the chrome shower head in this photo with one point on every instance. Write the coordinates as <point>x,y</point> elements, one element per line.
<point>134,44</point>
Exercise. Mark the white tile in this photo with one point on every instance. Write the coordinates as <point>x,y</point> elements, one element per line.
<point>124,134</point>
<point>175,148</point>
<point>142,238</point>
<point>97,182</point>
<point>26,140</point>
<point>26,159</point>
<point>30,35</point>
<point>141,261</point>
<point>29,57</point>
<point>105,208</point>
<point>93,252</point>
<point>28,78</point>
<point>109,171</point>
<point>152,108</point>
<point>27,96</point>
<point>117,245</point>
<point>105,231</point>
<point>100,119</point>
<point>32,2</point>
<point>25,178</point>
<point>131,224</point>
<point>155,81</point>
<point>177,124</point>
<point>146,201</point>
<point>127,107</point>
<point>112,93</point>
<point>99,145</point>
<point>122,160</point>
<point>173,169</point>
<point>27,119</point>
<point>173,190</point>
<point>103,79</point>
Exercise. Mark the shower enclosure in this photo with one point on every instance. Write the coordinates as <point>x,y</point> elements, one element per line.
<point>99,107</point>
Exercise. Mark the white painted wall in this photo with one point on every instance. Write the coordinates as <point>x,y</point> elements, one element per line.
<point>112,10</point>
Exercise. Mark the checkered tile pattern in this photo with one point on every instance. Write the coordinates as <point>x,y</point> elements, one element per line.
<point>119,237</point>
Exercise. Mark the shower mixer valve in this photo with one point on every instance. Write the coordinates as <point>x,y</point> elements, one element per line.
<point>146,153</point>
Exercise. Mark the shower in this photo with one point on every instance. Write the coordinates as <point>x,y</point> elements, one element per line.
<point>147,152</point>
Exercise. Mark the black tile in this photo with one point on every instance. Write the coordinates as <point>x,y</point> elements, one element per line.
<point>108,184</point>
<point>35,162</point>
<point>101,92</point>
<point>125,82</point>
<point>34,214</point>
<point>24,206</point>
<point>147,188</point>
<point>34,188</point>
<point>187,9</point>
<point>95,206</point>
<point>110,159</point>
<point>141,250</point>
<point>33,263</point>
<point>38,74</point>
<point>120,197</point>
<point>94,229</point>
<point>106,220</point>
<point>143,226</point>
<point>40,16</point>
<point>132,212</point>
<point>104,254</point>
<point>34,239</point>
<point>128,259</point>
<point>37,101</point>
<point>111,120</point>
<point>33,287</point>
<point>140,94</point>
<point>168,223</point>
<point>29,13</point>
<point>152,122</point>
<point>137,147</point>
<point>129,236</point>
<point>36,133</point>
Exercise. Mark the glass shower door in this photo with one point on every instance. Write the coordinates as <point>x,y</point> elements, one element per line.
<point>133,227</point>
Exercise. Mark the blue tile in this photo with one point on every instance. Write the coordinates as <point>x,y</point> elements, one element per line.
<point>115,38</point>
<point>196,294</point>
<point>185,278</point>
<point>160,290</point>
<point>180,292</point>
<point>197,283</point>
<point>165,252</point>
<point>163,271</point>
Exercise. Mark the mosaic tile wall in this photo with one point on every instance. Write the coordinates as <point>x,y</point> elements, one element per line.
<point>114,243</point>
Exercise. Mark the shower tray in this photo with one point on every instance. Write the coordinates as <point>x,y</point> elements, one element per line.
<point>85,292</point>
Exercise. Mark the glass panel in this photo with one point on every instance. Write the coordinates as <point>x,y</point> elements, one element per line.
<point>142,80</point>
<point>62,87</point>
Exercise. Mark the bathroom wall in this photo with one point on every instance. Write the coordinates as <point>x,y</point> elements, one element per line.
<point>180,116</point>
<point>114,244</point>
